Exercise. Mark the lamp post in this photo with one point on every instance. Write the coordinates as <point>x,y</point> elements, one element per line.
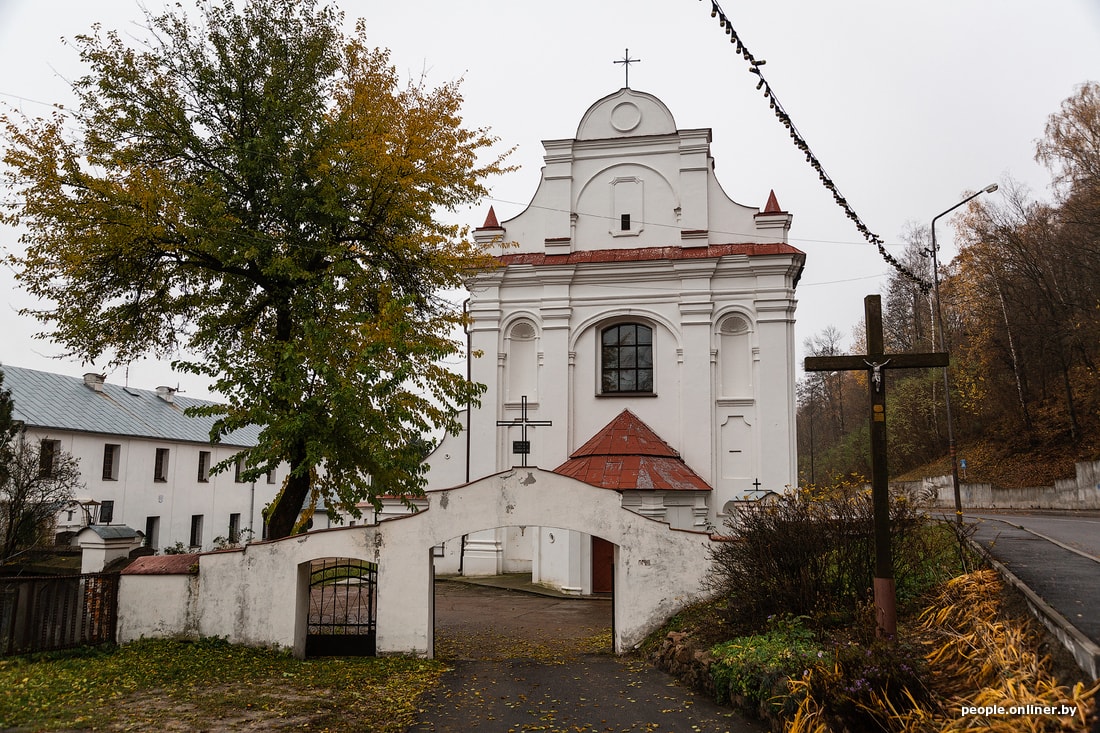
<point>951,448</point>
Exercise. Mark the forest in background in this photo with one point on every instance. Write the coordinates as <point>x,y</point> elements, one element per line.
<point>1021,320</point>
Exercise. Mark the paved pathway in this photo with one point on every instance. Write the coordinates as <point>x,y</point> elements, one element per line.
<point>523,662</point>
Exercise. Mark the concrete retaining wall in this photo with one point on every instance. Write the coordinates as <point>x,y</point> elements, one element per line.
<point>1080,492</point>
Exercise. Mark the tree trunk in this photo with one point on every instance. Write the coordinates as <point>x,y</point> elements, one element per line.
<point>288,505</point>
<point>1012,353</point>
<point>1071,406</point>
<point>284,512</point>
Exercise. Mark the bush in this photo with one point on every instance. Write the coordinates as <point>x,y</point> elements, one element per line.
<point>811,553</point>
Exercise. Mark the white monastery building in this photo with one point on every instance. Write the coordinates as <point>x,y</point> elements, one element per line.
<point>638,336</point>
<point>144,463</point>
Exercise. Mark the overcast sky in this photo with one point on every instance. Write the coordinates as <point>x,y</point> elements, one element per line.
<point>909,106</point>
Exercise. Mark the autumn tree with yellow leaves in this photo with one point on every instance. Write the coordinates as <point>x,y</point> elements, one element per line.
<point>1021,313</point>
<point>257,190</point>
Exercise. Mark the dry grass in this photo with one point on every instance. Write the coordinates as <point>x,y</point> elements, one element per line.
<point>979,659</point>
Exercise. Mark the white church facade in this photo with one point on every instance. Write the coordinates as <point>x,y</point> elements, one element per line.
<point>637,336</point>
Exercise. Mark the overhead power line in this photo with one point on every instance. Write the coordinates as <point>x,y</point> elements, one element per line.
<point>800,143</point>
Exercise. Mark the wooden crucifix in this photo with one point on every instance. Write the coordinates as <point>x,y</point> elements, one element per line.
<point>876,362</point>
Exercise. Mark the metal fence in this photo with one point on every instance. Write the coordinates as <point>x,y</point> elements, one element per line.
<point>60,612</point>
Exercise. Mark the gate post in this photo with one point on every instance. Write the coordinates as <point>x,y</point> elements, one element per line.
<point>301,608</point>
<point>404,613</point>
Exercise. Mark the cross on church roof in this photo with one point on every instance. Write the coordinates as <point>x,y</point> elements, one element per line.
<point>523,446</point>
<point>626,61</point>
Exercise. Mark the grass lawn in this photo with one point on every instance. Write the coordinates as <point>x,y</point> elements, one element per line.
<point>209,685</point>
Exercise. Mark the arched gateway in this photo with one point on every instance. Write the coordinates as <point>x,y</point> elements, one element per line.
<point>260,594</point>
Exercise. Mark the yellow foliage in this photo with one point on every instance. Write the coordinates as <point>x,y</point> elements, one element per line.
<point>978,660</point>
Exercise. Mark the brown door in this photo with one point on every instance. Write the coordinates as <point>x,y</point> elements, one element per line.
<point>603,565</point>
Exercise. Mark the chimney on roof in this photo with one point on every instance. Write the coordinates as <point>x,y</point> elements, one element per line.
<point>94,381</point>
<point>168,394</point>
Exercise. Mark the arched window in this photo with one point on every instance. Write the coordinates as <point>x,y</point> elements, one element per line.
<point>626,358</point>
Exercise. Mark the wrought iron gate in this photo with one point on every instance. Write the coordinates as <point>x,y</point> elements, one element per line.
<point>61,612</point>
<point>342,603</point>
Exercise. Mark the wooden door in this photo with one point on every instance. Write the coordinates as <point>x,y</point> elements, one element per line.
<point>603,565</point>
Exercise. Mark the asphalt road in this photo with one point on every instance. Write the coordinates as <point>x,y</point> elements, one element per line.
<point>1079,530</point>
<point>1035,547</point>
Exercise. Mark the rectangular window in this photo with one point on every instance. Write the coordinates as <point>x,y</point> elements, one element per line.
<point>152,529</point>
<point>271,476</point>
<point>196,530</point>
<point>624,222</point>
<point>49,452</point>
<point>160,467</point>
<point>204,466</point>
<point>106,512</point>
<point>237,469</point>
<point>111,453</point>
<point>234,528</point>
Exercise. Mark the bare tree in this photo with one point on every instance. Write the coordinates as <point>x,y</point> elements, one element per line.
<point>38,480</point>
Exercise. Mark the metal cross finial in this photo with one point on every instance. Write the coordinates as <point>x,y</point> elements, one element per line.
<point>523,446</point>
<point>626,61</point>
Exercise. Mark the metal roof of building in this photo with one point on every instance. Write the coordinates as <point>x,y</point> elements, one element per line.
<point>111,531</point>
<point>627,454</point>
<point>50,401</point>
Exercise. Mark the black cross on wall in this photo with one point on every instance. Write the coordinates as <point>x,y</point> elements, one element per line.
<point>876,362</point>
<point>523,445</point>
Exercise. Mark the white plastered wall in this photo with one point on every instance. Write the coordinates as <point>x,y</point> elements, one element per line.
<point>259,595</point>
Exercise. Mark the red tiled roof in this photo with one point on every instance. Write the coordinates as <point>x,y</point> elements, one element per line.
<point>627,454</point>
<point>185,564</point>
<point>644,254</point>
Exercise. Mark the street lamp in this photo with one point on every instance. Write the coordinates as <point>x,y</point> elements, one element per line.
<point>943,347</point>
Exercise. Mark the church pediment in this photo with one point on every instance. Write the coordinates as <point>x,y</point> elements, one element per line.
<point>626,113</point>
<point>631,179</point>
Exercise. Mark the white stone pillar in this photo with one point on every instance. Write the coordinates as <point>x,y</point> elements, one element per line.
<point>775,379</point>
<point>696,440</point>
